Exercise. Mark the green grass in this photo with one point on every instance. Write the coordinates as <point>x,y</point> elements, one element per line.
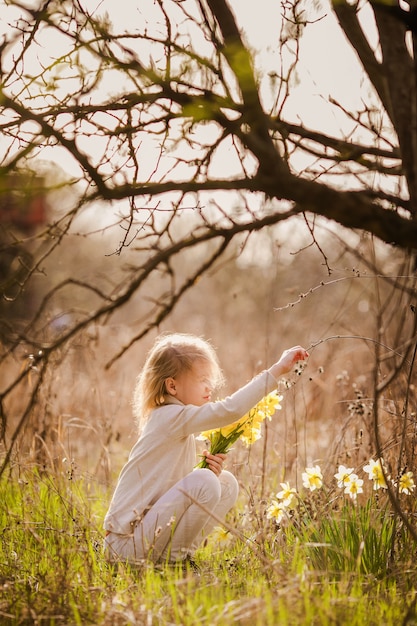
<point>362,539</point>
<point>351,566</point>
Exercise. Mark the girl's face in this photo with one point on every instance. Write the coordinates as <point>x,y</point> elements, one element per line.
<point>192,386</point>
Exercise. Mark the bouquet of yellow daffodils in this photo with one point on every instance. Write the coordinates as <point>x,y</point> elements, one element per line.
<point>247,428</point>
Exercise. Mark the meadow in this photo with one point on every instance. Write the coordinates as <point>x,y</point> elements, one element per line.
<point>323,533</point>
<point>333,562</point>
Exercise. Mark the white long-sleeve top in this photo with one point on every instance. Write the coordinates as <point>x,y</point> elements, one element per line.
<point>166,451</point>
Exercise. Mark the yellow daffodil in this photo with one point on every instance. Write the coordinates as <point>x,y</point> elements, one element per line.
<point>250,435</point>
<point>375,471</point>
<point>353,486</point>
<point>248,428</point>
<point>312,478</point>
<point>276,511</point>
<point>288,496</point>
<point>343,476</point>
<point>407,484</point>
<point>221,534</point>
<point>270,404</point>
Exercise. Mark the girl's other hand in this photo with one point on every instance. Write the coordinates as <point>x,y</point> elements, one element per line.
<point>215,461</point>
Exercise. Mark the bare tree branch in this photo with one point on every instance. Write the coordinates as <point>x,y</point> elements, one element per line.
<point>169,138</point>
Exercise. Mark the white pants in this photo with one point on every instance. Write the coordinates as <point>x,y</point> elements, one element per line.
<point>178,522</point>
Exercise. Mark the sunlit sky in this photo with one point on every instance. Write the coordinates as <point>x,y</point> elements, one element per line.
<point>327,66</point>
<point>327,63</point>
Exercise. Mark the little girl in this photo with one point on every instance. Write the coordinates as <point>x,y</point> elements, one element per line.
<point>161,508</point>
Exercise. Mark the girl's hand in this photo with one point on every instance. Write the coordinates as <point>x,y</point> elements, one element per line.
<point>215,461</point>
<point>287,361</point>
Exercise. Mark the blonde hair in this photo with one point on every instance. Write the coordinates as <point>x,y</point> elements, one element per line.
<point>170,355</point>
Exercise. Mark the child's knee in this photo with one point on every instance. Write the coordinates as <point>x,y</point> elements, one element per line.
<point>210,488</point>
<point>230,486</point>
